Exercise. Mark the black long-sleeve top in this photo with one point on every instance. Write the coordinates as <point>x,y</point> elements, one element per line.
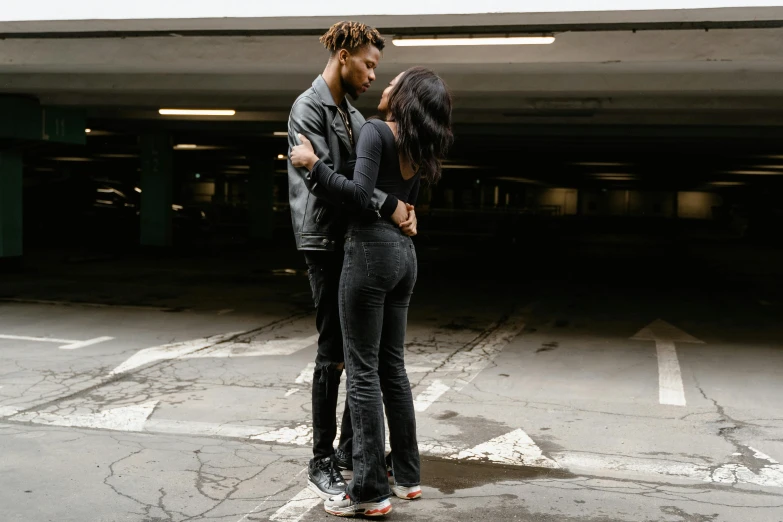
<point>377,165</point>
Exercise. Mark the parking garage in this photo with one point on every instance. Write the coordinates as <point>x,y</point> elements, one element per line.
<point>611,199</point>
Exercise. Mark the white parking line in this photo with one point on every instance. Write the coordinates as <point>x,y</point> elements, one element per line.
<point>123,418</point>
<point>306,377</point>
<point>256,348</point>
<point>670,386</point>
<point>430,395</point>
<point>297,507</point>
<point>67,344</point>
<point>472,362</point>
<point>82,344</point>
<point>169,351</point>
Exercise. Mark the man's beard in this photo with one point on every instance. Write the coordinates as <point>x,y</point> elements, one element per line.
<point>349,89</point>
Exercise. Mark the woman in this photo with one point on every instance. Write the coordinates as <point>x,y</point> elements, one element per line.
<point>377,281</point>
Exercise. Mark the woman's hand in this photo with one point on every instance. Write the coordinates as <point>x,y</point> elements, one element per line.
<point>303,155</point>
<point>410,226</point>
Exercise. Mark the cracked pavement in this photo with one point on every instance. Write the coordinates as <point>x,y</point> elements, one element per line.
<point>198,410</point>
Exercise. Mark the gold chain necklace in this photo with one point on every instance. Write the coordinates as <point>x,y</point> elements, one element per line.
<point>347,124</point>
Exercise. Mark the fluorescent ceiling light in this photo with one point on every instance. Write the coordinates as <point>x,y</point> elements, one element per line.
<point>518,180</point>
<point>756,172</point>
<point>88,131</point>
<point>193,146</point>
<point>473,40</point>
<point>768,167</point>
<point>727,183</point>
<point>137,189</point>
<point>197,112</point>
<point>613,175</point>
<point>280,133</point>
<point>281,156</point>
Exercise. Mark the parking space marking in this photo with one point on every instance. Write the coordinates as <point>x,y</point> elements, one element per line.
<point>67,344</point>
<point>256,348</point>
<point>670,386</point>
<point>515,448</point>
<point>123,418</point>
<point>296,508</point>
<point>170,351</point>
<point>306,377</point>
<point>770,475</point>
<point>433,392</point>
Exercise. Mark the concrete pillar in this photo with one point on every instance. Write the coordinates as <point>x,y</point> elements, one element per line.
<point>10,204</point>
<point>219,195</point>
<point>261,193</point>
<point>156,190</point>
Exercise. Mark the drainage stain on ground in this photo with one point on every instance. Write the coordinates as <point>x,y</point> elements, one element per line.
<point>448,476</point>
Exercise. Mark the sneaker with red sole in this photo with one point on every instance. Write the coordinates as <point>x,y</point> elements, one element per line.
<point>403,492</point>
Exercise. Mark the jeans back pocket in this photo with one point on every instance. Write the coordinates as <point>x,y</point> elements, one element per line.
<point>383,260</point>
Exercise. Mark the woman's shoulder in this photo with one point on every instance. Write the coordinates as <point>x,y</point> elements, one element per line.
<point>381,128</point>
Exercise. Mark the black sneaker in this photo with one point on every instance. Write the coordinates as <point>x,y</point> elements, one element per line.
<point>344,464</point>
<point>324,479</point>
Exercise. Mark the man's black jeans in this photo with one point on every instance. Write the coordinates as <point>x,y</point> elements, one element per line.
<point>324,270</point>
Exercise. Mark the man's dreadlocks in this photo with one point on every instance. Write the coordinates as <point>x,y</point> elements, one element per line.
<point>351,36</point>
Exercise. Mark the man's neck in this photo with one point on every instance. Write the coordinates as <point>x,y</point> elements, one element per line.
<point>332,78</point>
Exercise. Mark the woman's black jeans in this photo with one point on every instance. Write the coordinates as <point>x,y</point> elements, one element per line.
<point>379,273</point>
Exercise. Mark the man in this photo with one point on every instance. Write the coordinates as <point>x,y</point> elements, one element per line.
<point>324,115</point>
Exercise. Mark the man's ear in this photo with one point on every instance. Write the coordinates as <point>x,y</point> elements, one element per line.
<point>343,55</point>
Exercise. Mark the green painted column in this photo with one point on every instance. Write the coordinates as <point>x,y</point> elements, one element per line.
<point>156,190</point>
<point>10,204</point>
<point>261,196</point>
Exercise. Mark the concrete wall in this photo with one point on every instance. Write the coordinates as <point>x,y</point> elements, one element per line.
<point>697,205</point>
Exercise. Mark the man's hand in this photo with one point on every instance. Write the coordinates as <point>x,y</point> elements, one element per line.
<point>400,213</point>
<point>409,225</point>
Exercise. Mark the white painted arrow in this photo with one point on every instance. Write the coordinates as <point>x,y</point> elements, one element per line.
<point>170,351</point>
<point>216,347</point>
<point>669,375</point>
<point>515,448</point>
<point>771,474</point>
<point>123,418</point>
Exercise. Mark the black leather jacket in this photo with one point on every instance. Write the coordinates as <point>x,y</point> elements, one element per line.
<point>318,219</point>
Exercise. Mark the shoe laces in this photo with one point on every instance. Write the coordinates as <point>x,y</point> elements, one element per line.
<point>334,474</point>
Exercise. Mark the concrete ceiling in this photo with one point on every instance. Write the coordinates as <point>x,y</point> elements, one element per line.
<point>659,75</point>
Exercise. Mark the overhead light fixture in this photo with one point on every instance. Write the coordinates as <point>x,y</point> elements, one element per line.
<point>197,112</point>
<point>768,167</point>
<point>755,172</point>
<point>87,131</point>
<point>473,40</point>
<point>614,177</point>
<point>281,156</point>
<point>193,146</point>
<point>727,183</point>
<point>280,133</point>
<point>137,189</point>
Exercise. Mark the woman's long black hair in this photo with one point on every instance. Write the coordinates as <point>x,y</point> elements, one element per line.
<point>420,103</point>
